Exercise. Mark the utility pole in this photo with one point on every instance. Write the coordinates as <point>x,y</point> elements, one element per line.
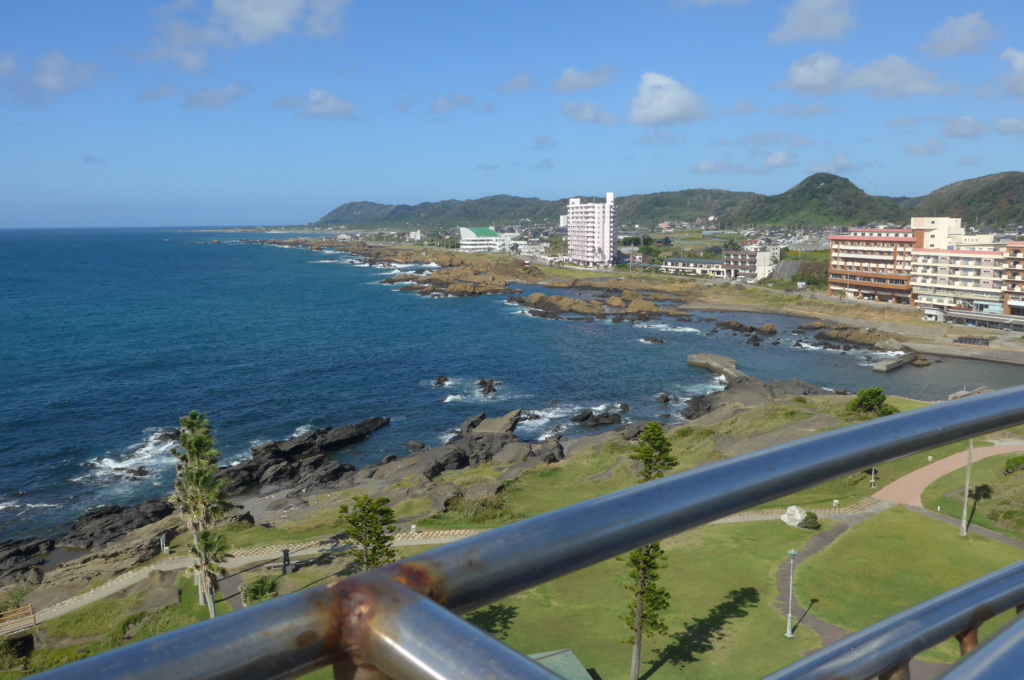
<point>789,618</point>
<point>967,489</point>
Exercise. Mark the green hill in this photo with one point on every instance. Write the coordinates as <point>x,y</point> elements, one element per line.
<point>994,200</point>
<point>818,201</point>
<point>504,209</point>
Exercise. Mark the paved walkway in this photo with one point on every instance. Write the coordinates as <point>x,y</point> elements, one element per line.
<point>242,558</point>
<point>907,490</point>
<point>919,670</point>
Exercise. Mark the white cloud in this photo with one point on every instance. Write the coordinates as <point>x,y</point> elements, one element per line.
<point>54,74</point>
<point>960,35</point>
<point>544,164</point>
<point>485,166</point>
<point>662,101</point>
<point>1010,126</point>
<point>444,105</point>
<point>810,111</point>
<point>933,146</point>
<point>718,167</point>
<point>89,159</point>
<point>801,140</point>
<point>658,136</point>
<point>518,83</point>
<point>589,112</point>
<point>816,74</point>
<point>965,127</point>
<point>7,64</point>
<point>572,80</point>
<point>814,20</point>
<point>758,141</point>
<point>216,99</point>
<point>970,160</point>
<point>162,91</point>
<point>232,22</point>
<point>543,142</point>
<point>1015,82</point>
<point>746,107</point>
<point>403,105</point>
<point>893,78</point>
<point>780,159</point>
<point>319,104</point>
<point>840,163</point>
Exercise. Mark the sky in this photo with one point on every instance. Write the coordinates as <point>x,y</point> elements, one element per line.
<point>267,112</point>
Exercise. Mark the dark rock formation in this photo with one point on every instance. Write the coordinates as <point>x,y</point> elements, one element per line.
<point>300,462</point>
<point>487,386</point>
<point>653,341</point>
<point>442,380</point>
<point>768,329</point>
<point>20,560</point>
<point>624,408</point>
<point>735,326</point>
<point>589,419</point>
<point>749,391</point>
<point>415,446</point>
<point>109,523</point>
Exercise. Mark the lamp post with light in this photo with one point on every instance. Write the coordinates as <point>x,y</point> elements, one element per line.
<point>789,618</point>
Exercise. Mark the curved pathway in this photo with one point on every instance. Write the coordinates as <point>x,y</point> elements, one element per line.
<point>907,490</point>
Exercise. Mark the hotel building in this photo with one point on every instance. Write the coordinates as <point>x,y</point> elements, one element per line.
<point>871,264</point>
<point>592,232</point>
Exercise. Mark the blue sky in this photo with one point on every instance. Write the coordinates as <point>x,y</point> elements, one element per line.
<point>235,112</point>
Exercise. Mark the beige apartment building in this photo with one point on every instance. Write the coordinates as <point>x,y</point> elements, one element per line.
<point>1013,279</point>
<point>962,279</point>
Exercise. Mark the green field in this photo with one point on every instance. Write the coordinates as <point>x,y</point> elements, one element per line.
<point>894,561</point>
<point>984,473</point>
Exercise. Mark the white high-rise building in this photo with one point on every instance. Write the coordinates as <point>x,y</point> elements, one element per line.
<point>593,231</point>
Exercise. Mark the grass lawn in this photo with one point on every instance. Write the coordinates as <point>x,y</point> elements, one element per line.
<point>985,472</point>
<point>894,561</point>
<point>721,624</point>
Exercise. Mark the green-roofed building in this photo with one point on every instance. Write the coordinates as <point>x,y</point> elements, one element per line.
<point>562,663</point>
<point>481,240</point>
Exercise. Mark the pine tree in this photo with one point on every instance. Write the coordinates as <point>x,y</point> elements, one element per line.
<point>644,615</point>
<point>370,525</point>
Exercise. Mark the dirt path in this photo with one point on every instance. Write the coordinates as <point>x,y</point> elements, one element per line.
<point>907,490</point>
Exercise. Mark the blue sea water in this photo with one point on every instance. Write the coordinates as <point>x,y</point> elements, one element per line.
<point>107,336</point>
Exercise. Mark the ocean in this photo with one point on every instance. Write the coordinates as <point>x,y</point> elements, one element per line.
<point>109,336</point>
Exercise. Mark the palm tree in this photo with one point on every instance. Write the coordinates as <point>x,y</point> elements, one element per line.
<point>199,493</point>
<point>209,551</point>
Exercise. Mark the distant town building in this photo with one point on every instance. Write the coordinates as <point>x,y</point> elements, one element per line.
<point>1013,279</point>
<point>751,263</point>
<point>481,240</point>
<point>693,267</point>
<point>592,231</point>
<point>970,280</point>
<point>415,235</point>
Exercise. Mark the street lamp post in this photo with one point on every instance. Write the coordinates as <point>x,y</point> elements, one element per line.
<point>789,618</point>
<point>967,489</point>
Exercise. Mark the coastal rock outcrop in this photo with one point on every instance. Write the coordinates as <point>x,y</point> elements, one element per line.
<point>749,391</point>
<point>735,326</point>
<point>20,561</point>
<point>109,523</point>
<point>300,463</point>
<point>559,304</point>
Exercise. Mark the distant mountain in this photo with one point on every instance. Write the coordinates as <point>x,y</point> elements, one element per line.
<point>503,210</point>
<point>818,201</point>
<point>994,200</point>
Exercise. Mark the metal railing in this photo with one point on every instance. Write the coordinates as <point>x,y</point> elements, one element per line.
<point>402,621</point>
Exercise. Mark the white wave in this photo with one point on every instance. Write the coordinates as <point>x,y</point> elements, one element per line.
<point>666,327</point>
<point>703,389</point>
<point>9,504</point>
<point>324,262</point>
<point>155,451</point>
<point>302,429</point>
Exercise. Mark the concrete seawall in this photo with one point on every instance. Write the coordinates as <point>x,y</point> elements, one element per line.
<point>893,364</point>
<point>723,366</point>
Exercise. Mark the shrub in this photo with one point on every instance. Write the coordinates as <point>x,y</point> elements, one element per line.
<point>1014,464</point>
<point>260,589</point>
<point>810,522</point>
<point>800,400</point>
<point>872,400</point>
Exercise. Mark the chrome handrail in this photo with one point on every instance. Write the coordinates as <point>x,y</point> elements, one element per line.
<point>383,620</point>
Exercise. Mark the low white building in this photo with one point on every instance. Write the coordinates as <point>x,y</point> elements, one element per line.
<point>690,267</point>
<point>592,231</point>
<point>415,235</point>
<point>481,240</point>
